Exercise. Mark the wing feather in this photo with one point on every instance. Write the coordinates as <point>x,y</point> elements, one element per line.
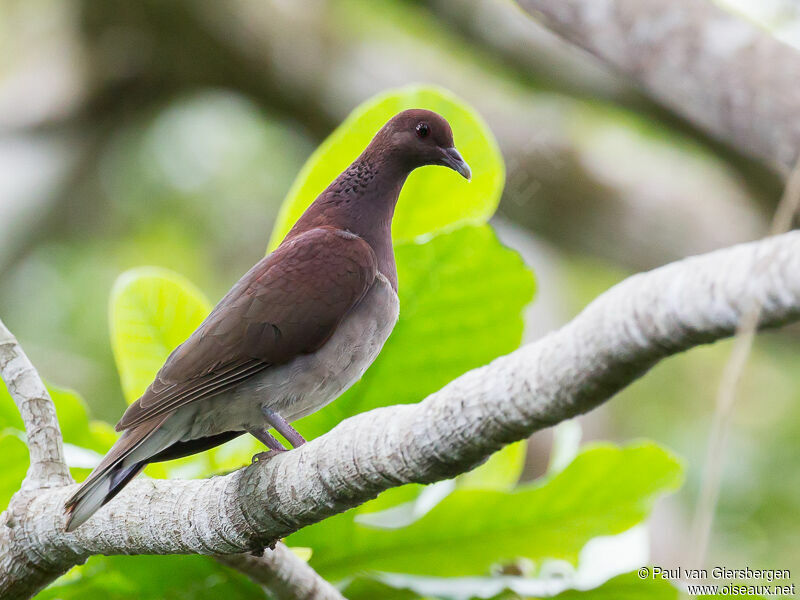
<point>288,304</point>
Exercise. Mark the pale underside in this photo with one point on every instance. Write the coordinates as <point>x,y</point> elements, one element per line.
<point>302,386</point>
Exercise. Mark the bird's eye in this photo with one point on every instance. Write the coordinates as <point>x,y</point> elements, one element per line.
<point>423,129</point>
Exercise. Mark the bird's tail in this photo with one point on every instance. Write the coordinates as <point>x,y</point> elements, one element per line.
<point>89,498</point>
<point>127,457</point>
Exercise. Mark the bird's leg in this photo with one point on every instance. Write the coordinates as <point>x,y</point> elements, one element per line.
<point>266,438</point>
<point>282,426</point>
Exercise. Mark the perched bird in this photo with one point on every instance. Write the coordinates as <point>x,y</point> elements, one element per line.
<point>294,332</point>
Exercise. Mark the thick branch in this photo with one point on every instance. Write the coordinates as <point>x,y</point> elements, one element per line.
<point>47,468</point>
<point>719,71</point>
<point>611,343</point>
<point>282,574</point>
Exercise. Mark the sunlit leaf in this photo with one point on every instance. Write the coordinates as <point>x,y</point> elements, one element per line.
<point>434,198</point>
<point>623,587</point>
<point>9,413</point>
<point>76,427</point>
<point>83,438</point>
<point>366,588</point>
<point>153,310</point>
<point>605,491</point>
<point>501,472</point>
<point>14,465</point>
<point>152,578</point>
<point>461,301</point>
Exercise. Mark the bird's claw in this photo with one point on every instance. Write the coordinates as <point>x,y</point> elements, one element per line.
<point>263,456</point>
<point>259,552</point>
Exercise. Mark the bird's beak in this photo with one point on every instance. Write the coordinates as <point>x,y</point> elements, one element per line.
<point>453,159</point>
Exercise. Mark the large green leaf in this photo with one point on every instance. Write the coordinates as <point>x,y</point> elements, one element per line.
<point>15,465</point>
<point>501,472</point>
<point>153,310</point>
<point>434,198</point>
<point>461,301</point>
<point>80,433</point>
<point>367,588</point>
<point>73,418</point>
<point>152,578</point>
<point>605,491</point>
<point>9,414</point>
<point>623,587</point>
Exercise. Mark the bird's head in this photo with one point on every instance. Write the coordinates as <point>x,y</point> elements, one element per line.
<point>421,137</point>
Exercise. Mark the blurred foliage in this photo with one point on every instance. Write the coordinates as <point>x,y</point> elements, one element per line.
<point>152,578</point>
<point>15,463</point>
<point>85,440</point>
<point>622,587</point>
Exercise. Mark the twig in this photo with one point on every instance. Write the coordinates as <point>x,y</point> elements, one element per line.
<point>703,521</point>
<point>47,465</point>
<point>284,575</point>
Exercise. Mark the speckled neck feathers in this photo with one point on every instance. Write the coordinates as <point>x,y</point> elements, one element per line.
<point>362,201</point>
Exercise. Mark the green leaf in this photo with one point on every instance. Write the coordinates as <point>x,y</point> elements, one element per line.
<point>625,587</point>
<point>434,198</point>
<point>605,491</point>
<point>153,310</point>
<point>461,301</point>
<point>15,465</point>
<point>73,418</point>
<point>367,588</point>
<point>501,472</point>
<point>76,427</point>
<point>78,431</point>
<point>152,578</point>
<point>402,505</point>
<point>9,414</point>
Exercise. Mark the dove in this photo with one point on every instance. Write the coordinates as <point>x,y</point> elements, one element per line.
<point>295,332</point>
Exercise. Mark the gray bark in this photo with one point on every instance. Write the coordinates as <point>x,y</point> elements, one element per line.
<point>47,466</point>
<point>719,71</point>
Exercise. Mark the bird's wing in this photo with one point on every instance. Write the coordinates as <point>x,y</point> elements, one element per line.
<point>288,304</point>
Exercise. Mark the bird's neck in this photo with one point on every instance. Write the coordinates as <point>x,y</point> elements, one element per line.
<point>362,201</point>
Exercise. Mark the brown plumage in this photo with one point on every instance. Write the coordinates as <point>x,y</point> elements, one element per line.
<point>295,331</point>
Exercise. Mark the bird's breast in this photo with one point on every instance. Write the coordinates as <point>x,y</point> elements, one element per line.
<point>310,381</point>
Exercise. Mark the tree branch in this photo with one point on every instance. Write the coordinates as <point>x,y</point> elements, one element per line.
<point>612,342</point>
<point>717,70</point>
<point>48,467</point>
<point>282,574</point>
